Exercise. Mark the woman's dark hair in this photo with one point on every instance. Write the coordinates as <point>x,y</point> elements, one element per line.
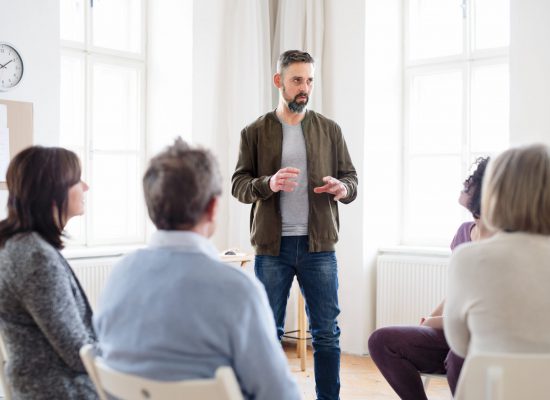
<point>38,181</point>
<point>472,186</point>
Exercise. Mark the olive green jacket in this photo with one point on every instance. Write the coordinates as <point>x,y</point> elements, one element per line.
<point>260,156</point>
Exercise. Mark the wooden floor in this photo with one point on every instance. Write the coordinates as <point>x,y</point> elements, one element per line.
<point>360,379</point>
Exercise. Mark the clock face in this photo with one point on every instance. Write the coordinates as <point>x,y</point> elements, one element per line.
<point>11,67</point>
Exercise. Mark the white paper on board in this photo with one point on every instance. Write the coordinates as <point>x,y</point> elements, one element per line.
<point>4,152</point>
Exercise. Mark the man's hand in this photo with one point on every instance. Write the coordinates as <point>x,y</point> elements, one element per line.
<point>284,179</point>
<point>332,186</point>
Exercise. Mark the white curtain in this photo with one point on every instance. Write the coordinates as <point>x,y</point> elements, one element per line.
<point>231,88</point>
<point>300,25</point>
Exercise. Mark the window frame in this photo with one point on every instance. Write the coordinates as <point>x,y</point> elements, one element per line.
<point>91,55</point>
<point>464,62</point>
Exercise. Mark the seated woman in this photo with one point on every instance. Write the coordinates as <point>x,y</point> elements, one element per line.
<point>401,352</point>
<point>44,314</point>
<point>498,298</point>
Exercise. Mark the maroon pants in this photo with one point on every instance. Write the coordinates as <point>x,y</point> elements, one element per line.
<point>401,352</point>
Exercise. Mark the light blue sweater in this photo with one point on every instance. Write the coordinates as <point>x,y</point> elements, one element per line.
<point>174,311</point>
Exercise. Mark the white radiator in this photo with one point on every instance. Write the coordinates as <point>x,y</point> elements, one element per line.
<point>92,274</point>
<point>408,287</point>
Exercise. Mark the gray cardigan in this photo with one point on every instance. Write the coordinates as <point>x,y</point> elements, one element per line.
<point>44,318</point>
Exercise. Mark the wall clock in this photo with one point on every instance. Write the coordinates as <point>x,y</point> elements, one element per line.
<point>11,67</point>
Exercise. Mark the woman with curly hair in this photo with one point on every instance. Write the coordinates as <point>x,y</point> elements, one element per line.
<point>402,352</point>
<point>45,317</point>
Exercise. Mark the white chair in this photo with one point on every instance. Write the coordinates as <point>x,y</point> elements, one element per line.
<point>124,386</point>
<point>426,378</point>
<point>504,376</point>
<point>3,380</point>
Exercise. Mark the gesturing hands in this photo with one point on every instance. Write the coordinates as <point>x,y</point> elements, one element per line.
<point>284,179</point>
<point>332,186</point>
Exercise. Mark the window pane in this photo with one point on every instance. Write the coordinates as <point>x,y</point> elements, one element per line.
<point>72,101</point>
<point>435,28</point>
<point>75,228</point>
<point>489,108</point>
<point>117,199</point>
<point>74,231</point>
<point>116,107</point>
<point>432,212</point>
<point>117,25</point>
<point>72,17</point>
<point>435,113</point>
<point>491,23</point>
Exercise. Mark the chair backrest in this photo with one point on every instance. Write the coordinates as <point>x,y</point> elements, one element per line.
<point>504,376</point>
<point>124,386</point>
<point>3,380</point>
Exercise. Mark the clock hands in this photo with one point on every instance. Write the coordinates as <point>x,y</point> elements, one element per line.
<point>4,65</point>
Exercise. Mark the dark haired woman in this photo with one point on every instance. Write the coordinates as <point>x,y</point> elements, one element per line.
<point>400,352</point>
<point>44,314</point>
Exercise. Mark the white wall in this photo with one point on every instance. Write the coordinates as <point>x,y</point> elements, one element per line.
<point>169,72</point>
<point>383,142</point>
<point>32,27</point>
<point>344,101</point>
<point>529,71</point>
<point>362,92</point>
<point>230,90</point>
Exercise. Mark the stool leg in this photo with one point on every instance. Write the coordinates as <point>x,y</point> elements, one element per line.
<point>302,331</point>
<point>300,317</point>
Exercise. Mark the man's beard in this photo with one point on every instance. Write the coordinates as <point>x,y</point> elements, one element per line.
<point>296,107</point>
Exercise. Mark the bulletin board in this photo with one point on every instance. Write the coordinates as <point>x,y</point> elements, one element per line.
<point>19,122</point>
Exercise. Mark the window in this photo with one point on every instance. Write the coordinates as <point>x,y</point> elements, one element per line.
<point>455,107</point>
<point>103,64</point>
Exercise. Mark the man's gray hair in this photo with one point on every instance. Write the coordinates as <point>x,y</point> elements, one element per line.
<point>179,184</point>
<point>291,57</point>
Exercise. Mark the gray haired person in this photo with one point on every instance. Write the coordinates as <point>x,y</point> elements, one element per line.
<point>173,310</point>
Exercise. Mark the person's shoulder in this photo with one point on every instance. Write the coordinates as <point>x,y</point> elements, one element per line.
<point>234,279</point>
<point>315,116</point>
<point>262,121</point>
<point>28,254</point>
<point>323,124</point>
<point>462,235</point>
<point>127,263</point>
<point>466,226</point>
<point>29,244</point>
<point>483,252</point>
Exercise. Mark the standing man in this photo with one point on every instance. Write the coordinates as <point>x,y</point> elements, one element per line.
<point>293,168</point>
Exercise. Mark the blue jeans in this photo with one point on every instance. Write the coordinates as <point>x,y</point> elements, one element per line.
<point>318,279</point>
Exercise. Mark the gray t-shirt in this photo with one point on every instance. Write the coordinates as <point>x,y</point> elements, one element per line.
<point>295,205</point>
